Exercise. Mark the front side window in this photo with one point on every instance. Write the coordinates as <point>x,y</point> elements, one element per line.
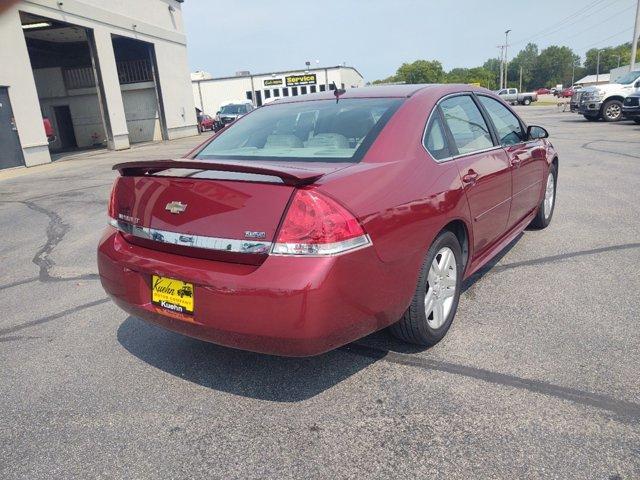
<point>319,130</point>
<point>435,140</point>
<point>507,125</point>
<point>468,128</point>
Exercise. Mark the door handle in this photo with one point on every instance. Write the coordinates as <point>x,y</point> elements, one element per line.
<point>470,177</point>
<point>515,161</point>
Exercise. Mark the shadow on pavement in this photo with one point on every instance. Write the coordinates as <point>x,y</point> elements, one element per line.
<point>242,373</point>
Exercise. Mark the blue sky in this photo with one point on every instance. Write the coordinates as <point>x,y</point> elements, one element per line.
<point>376,36</point>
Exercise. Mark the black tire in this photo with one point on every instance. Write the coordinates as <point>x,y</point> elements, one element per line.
<point>612,111</point>
<point>527,101</point>
<point>414,327</point>
<point>542,219</point>
<point>591,118</point>
<point>637,120</point>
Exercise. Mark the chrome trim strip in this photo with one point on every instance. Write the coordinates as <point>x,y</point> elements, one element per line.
<point>195,241</point>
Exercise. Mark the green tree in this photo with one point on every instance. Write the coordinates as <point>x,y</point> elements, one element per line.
<point>420,71</point>
<point>526,59</point>
<point>610,58</point>
<point>554,66</point>
<point>493,67</point>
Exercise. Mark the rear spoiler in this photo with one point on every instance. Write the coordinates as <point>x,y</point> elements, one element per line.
<point>289,176</point>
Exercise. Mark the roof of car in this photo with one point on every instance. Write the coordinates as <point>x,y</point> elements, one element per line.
<point>379,91</point>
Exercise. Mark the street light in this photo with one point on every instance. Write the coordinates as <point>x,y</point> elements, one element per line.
<point>598,67</point>
<point>506,58</point>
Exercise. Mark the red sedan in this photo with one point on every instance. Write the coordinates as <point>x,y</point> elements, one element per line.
<point>316,220</point>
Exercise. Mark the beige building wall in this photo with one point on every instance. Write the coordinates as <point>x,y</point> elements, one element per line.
<point>209,94</point>
<point>16,74</point>
<point>158,22</point>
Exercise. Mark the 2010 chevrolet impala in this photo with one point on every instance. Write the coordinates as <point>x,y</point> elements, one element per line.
<point>316,220</point>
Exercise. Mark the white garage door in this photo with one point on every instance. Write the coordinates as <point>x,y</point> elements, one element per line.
<point>141,112</point>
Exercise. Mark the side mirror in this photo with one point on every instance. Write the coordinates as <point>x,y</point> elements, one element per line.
<point>218,112</point>
<point>534,132</point>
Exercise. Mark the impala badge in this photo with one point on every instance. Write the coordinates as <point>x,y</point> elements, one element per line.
<point>176,207</point>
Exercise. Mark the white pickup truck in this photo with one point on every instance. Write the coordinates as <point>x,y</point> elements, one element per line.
<point>512,96</point>
<point>605,101</point>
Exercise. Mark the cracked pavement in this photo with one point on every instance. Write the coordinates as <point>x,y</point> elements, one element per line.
<point>538,377</point>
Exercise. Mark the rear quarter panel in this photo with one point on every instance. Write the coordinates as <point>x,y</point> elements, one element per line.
<point>401,195</point>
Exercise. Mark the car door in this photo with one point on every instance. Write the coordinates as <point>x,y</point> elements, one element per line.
<point>527,158</point>
<point>484,168</point>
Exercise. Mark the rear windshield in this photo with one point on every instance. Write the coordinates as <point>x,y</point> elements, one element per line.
<point>317,130</point>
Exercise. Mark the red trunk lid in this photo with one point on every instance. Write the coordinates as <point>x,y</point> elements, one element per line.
<point>227,212</point>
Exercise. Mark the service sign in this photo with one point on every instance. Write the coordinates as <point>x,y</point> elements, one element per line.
<point>272,81</point>
<point>295,80</point>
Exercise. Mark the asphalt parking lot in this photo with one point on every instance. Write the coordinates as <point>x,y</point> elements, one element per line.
<point>538,378</point>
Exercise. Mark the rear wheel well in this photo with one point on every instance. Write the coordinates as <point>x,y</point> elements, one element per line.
<point>459,229</point>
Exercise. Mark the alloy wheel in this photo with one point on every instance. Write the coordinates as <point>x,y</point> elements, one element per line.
<point>441,287</point>
<point>549,196</point>
<point>613,111</point>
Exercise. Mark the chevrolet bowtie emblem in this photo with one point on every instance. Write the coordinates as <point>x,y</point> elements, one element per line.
<point>176,207</point>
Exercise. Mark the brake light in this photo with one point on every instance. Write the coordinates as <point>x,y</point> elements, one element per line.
<point>318,225</point>
<point>112,202</point>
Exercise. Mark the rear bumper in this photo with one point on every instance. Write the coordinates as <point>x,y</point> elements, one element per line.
<point>286,306</point>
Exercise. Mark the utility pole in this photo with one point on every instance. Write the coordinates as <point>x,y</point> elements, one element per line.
<point>573,73</point>
<point>501,47</point>
<point>634,43</point>
<point>619,57</point>
<point>520,79</point>
<point>506,58</point>
<point>598,67</point>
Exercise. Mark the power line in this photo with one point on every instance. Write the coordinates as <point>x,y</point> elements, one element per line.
<point>607,38</point>
<point>560,23</point>
<point>600,22</point>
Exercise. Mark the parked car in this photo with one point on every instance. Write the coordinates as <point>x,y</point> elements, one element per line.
<point>566,92</point>
<point>48,130</point>
<point>543,91</point>
<point>280,254</point>
<point>511,95</point>
<point>605,101</point>
<point>631,107</point>
<point>206,122</point>
<point>230,112</point>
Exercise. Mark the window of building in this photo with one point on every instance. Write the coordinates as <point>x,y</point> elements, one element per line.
<point>323,88</point>
<point>276,92</point>
<point>285,92</point>
<point>294,91</point>
<point>332,86</point>
<point>312,89</point>
<point>249,95</point>
<point>303,90</point>
<point>267,93</point>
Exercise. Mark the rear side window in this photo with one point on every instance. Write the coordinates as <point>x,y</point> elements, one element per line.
<point>507,124</point>
<point>435,140</point>
<point>468,128</point>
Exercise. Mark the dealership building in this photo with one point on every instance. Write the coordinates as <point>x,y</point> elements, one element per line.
<point>210,93</point>
<point>103,73</point>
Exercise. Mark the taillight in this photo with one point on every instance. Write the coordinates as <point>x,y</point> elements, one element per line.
<point>318,225</point>
<point>113,207</point>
